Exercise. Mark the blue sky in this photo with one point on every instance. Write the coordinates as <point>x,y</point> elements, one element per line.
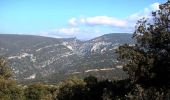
<point>83,19</point>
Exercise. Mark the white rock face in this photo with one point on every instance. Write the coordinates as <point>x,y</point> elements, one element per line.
<point>47,47</point>
<point>31,77</point>
<point>23,55</point>
<point>67,45</point>
<point>92,70</point>
<point>53,59</point>
<point>119,66</point>
<point>107,69</point>
<point>70,47</point>
<point>99,45</point>
<point>103,50</point>
<point>75,73</point>
<point>17,71</point>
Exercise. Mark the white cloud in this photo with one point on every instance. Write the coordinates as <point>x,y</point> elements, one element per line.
<point>105,20</point>
<point>98,20</point>
<point>155,6</point>
<point>73,21</point>
<point>69,31</point>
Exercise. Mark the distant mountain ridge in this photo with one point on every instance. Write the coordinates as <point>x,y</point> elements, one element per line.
<point>32,57</point>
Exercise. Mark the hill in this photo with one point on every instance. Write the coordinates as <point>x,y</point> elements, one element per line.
<point>51,59</point>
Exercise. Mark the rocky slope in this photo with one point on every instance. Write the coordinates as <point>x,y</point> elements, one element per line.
<point>32,57</point>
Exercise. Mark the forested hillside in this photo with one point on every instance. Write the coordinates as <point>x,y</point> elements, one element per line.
<point>147,64</point>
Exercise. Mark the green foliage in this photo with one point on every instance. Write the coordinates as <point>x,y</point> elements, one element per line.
<point>92,89</point>
<point>9,90</point>
<point>151,93</point>
<point>90,80</point>
<point>71,89</point>
<point>37,91</point>
<point>4,70</point>
<point>148,62</point>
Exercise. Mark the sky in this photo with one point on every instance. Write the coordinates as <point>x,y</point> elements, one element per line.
<point>84,19</point>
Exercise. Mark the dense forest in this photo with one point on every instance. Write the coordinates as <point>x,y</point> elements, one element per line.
<point>147,64</point>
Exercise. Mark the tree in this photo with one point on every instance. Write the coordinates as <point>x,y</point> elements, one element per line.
<point>37,91</point>
<point>4,70</point>
<point>148,62</point>
<point>9,90</point>
<point>71,89</point>
<point>90,80</point>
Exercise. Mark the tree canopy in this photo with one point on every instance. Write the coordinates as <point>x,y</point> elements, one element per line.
<point>148,61</point>
<point>4,70</point>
